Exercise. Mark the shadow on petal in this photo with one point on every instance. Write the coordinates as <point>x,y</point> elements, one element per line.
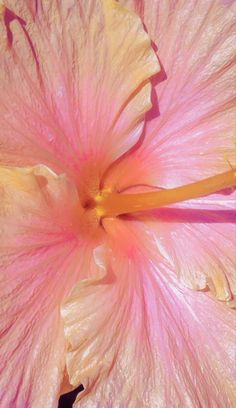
<point>67,400</point>
<point>183,215</point>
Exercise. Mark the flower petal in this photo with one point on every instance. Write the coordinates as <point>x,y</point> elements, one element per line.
<point>39,254</point>
<point>198,239</point>
<point>136,338</point>
<point>191,133</point>
<point>192,138</point>
<point>74,82</point>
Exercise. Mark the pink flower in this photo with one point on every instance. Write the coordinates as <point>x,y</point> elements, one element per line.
<point>111,275</point>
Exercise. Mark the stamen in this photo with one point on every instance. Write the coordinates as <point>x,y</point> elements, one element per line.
<point>109,204</point>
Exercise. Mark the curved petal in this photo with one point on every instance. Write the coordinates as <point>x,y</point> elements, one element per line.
<point>198,239</point>
<point>74,82</point>
<point>137,338</point>
<point>192,138</point>
<point>39,261</point>
<point>191,131</point>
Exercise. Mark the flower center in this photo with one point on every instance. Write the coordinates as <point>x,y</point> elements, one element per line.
<point>112,204</point>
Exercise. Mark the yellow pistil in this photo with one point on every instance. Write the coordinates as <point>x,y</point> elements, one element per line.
<point>110,204</point>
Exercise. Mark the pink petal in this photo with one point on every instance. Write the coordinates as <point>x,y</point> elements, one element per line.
<point>40,256</point>
<point>74,83</point>
<point>197,239</point>
<point>137,338</point>
<point>193,135</point>
<point>191,139</point>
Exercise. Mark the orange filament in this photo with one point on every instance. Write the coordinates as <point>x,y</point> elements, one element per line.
<point>109,204</point>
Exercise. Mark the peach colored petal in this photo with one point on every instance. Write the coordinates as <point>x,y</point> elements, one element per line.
<point>74,82</point>
<point>39,251</point>
<point>136,338</point>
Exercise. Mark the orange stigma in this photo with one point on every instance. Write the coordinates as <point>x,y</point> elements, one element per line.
<point>110,204</point>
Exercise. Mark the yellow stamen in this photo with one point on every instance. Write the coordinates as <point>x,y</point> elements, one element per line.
<point>110,204</point>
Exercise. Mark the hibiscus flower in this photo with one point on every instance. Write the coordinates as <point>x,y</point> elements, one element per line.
<point>117,251</point>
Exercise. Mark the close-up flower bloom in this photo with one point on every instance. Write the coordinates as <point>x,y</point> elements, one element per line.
<point>117,203</point>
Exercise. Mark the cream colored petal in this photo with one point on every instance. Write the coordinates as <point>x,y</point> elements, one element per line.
<point>39,258</point>
<point>74,83</point>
